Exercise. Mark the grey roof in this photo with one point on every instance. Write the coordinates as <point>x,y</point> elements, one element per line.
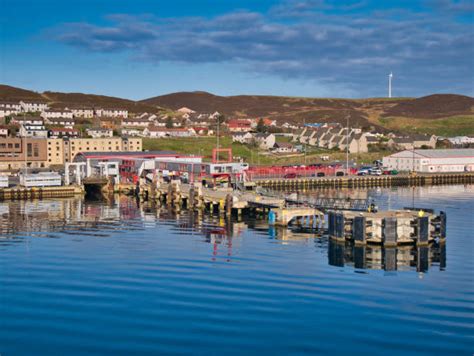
<point>433,153</point>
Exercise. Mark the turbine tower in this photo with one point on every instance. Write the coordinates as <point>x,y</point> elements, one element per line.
<point>390,76</point>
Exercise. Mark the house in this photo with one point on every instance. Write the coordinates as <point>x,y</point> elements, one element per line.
<point>132,131</point>
<point>185,110</point>
<point>413,141</point>
<point>32,130</point>
<point>314,140</point>
<point>111,112</point>
<point>146,116</point>
<point>57,113</point>
<point>202,131</point>
<point>461,140</point>
<point>30,120</point>
<point>4,131</point>
<point>421,141</point>
<point>8,108</point>
<point>372,140</point>
<point>432,161</point>
<point>61,121</point>
<point>99,132</point>
<point>242,137</point>
<point>82,112</point>
<point>60,132</point>
<point>108,123</point>
<point>239,125</point>
<point>358,143</point>
<point>283,147</point>
<point>265,140</point>
<point>160,132</point>
<point>33,106</point>
<point>304,138</point>
<point>297,134</point>
<point>139,122</point>
<point>405,143</point>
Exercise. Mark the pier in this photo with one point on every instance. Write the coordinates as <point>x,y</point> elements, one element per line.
<point>366,181</point>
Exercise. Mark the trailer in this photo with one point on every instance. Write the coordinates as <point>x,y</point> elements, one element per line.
<point>42,179</point>
<point>3,181</point>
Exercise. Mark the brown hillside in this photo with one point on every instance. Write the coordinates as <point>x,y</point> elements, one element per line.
<point>95,101</point>
<point>8,93</point>
<point>433,106</point>
<point>362,112</point>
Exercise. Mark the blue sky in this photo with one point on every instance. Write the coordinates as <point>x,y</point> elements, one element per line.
<point>319,48</point>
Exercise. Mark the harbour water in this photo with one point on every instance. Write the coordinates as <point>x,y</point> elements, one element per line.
<point>119,277</point>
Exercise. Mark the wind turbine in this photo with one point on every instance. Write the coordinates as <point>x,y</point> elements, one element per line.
<point>390,76</point>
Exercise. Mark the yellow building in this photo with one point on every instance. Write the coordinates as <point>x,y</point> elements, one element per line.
<point>73,146</point>
<point>55,149</point>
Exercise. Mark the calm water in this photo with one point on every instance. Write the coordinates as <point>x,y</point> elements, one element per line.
<point>111,277</point>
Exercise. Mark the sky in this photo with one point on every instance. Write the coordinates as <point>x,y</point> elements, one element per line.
<point>314,48</point>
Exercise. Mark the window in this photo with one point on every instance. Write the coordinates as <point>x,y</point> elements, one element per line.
<point>17,145</point>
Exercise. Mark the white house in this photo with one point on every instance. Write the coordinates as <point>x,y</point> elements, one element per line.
<point>83,112</point>
<point>8,108</point>
<point>132,131</point>
<point>4,131</point>
<point>461,140</point>
<point>59,132</point>
<point>57,113</point>
<point>136,122</point>
<point>99,132</point>
<point>284,147</point>
<point>29,130</point>
<point>432,161</point>
<point>111,112</point>
<point>265,140</point>
<point>33,106</point>
<point>242,137</point>
<point>30,120</point>
<point>61,121</point>
<point>158,132</point>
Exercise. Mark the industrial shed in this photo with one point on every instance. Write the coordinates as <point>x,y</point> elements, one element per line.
<point>432,161</point>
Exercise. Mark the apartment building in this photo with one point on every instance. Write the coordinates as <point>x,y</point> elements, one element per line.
<point>112,112</point>
<point>57,113</point>
<point>13,151</point>
<point>33,106</point>
<point>73,146</point>
<point>83,112</point>
<point>55,151</point>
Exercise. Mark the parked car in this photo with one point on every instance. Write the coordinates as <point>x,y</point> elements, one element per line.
<point>375,172</point>
<point>389,172</point>
<point>290,176</point>
<point>363,171</point>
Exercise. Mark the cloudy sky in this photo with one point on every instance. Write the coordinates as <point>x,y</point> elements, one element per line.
<point>321,48</point>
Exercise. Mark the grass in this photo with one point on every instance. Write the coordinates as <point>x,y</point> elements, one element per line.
<point>450,126</point>
<point>204,145</point>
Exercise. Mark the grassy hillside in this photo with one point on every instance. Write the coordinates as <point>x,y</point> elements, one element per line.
<point>450,126</point>
<point>204,145</point>
<point>9,93</point>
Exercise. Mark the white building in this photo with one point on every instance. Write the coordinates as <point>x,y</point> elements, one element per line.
<point>57,113</point>
<point>265,141</point>
<point>432,161</point>
<point>242,137</point>
<point>112,112</point>
<point>33,106</point>
<point>28,130</point>
<point>27,120</point>
<point>98,132</point>
<point>61,121</point>
<point>159,132</point>
<point>136,122</point>
<point>461,140</point>
<point>84,113</point>
<point>8,108</point>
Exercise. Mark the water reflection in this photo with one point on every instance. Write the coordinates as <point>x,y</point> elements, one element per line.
<point>52,218</point>
<point>420,258</point>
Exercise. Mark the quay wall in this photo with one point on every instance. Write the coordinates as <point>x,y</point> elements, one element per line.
<point>367,181</point>
<point>21,193</point>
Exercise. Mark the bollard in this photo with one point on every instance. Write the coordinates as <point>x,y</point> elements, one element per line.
<point>389,231</point>
<point>422,231</point>
<point>358,230</point>
<point>390,259</point>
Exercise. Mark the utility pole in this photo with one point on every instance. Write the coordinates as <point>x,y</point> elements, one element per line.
<point>347,146</point>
